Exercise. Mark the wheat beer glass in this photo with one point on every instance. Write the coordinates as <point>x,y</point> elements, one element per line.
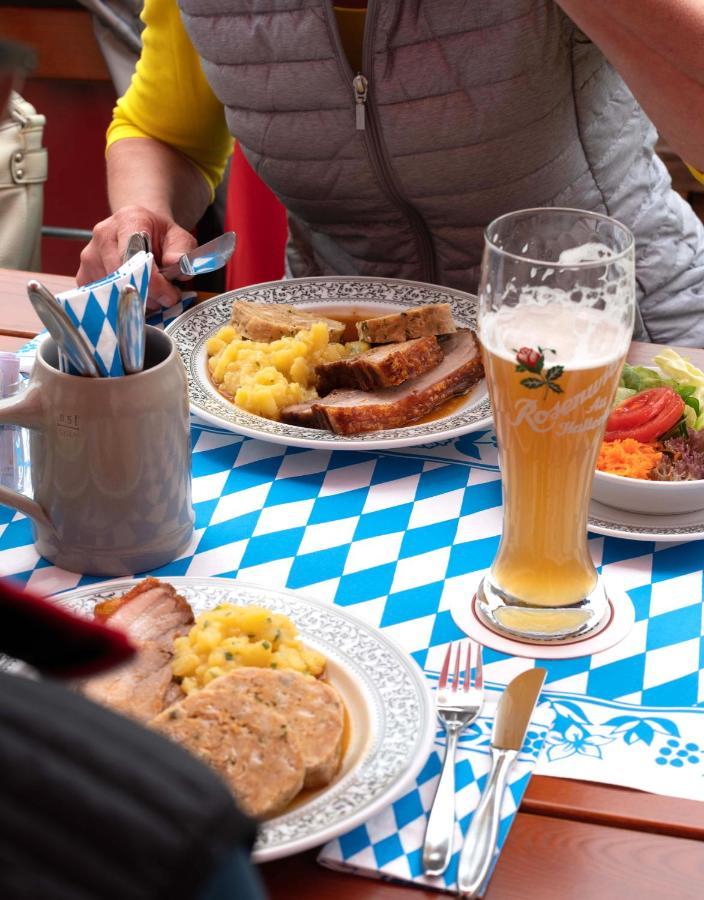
<point>557,303</point>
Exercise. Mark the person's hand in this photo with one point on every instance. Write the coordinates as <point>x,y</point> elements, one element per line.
<point>105,251</point>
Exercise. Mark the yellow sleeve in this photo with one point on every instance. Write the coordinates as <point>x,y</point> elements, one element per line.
<point>169,98</point>
<point>697,174</point>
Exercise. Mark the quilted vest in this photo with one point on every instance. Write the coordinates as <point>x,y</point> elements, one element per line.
<point>463,111</point>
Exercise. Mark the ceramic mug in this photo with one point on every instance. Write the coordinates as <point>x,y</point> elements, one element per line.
<point>110,463</point>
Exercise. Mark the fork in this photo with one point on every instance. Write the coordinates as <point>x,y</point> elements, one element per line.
<point>458,703</point>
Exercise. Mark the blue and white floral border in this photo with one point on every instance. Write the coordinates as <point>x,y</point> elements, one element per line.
<point>656,749</point>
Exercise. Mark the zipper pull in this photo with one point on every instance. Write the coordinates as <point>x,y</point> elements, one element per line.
<point>360,85</point>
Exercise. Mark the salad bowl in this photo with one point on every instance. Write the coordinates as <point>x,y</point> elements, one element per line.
<point>675,486</point>
<point>639,495</point>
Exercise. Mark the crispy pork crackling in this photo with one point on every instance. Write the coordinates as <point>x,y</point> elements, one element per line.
<point>355,412</point>
<point>384,366</point>
<point>152,614</point>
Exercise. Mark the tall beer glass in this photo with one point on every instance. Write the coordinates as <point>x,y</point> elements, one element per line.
<point>557,303</point>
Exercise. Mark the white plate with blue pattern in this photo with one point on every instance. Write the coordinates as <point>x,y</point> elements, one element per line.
<point>663,529</point>
<point>375,296</point>
<point>390,711</point>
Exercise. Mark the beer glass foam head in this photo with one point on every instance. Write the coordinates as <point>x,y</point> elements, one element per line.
<point>575,336</point>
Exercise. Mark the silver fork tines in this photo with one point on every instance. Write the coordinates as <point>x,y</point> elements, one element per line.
<point>458,702</point>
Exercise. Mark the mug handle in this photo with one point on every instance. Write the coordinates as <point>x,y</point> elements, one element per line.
<point>23,409</point>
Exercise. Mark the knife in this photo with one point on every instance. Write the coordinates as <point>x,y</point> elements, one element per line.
<point>513,714</point>
<point>206,258</point>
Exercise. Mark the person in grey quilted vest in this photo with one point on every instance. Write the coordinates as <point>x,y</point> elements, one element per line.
<point>454,113</point>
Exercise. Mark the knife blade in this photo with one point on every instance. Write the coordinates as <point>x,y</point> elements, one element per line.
<point>207,258</point>
<point>513,715</point>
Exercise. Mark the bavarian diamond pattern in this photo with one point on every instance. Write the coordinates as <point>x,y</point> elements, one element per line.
<point>390,844</point>
<point>396,537</point>
<point>93,310</point>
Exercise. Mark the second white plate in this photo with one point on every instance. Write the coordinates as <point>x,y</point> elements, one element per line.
<point>389,707</point>
<point>668,529</point>
<point>367,295</point>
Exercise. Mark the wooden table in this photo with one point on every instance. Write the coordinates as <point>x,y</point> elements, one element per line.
<point>571,840</point>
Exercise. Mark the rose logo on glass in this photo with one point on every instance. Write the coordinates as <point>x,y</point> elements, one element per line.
<point>533,361</point>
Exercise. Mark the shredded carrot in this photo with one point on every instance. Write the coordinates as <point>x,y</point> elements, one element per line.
<point>628,457</point>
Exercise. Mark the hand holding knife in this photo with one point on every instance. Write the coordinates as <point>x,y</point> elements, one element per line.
<point>513,715</point>
<point>208,257</point>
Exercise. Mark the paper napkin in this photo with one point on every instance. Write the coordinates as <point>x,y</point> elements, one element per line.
<point>93,310</point>
<point>389,846</point>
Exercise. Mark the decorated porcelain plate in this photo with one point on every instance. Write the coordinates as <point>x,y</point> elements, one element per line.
<point>666,529</point>
<point>390,714</point>
<point>347,298</point>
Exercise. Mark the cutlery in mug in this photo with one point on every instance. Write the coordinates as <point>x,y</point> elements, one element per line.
<point>457,703</point>
<point>207,258</point>
<point>513,715</point>
<point>61,328</point>
<point>130,329</point>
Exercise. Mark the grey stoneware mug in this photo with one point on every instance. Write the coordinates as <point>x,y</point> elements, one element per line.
<point>110,463</point>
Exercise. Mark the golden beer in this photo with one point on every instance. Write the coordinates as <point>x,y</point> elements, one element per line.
<point>556,311</point>
<point>548,442</point>
<point>552,373</point>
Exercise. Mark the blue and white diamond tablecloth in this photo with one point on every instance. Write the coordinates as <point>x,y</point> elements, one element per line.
<point>390,844</point>
<point>396,537</point>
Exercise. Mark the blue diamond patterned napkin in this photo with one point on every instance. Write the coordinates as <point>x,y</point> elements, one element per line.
<point>93,310</point>
<point>389,846</point>
<point>158,318</point>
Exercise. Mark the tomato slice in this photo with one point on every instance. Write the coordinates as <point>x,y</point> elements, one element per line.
<point>638,409</point>
<point>646,416</point>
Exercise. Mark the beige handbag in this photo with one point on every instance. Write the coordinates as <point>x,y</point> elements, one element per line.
<point>23,171</point>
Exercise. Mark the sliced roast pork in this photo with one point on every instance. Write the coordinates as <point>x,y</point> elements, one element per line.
<point>139,689</point>
<point>151,611</point>
<point>384,366</point>
<point>152,614</point>
<point>270,321</point>
<point>420,321</point>
<point>353,411</point>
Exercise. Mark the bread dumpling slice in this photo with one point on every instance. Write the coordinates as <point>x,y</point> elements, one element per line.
<point>247,743</point>
<point>270,321</point>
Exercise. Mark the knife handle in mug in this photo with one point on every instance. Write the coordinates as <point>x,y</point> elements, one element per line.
<point>437,847</point>
<point>480,842</point>
<point>23,409</point>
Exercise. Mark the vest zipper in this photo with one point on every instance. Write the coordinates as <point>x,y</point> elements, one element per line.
<point>361,89</point>
<point>366,121</point>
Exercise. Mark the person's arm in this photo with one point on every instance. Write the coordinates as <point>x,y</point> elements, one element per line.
<point>168,144</point>
<point>163,179</point>
<point>656,46</point>
<point>151,188</point>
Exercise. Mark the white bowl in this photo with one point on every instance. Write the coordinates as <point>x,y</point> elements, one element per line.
<point>655,498</point>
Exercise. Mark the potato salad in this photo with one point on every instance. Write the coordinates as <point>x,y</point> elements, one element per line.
<point>264,377</point>
<point>228,637</point>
